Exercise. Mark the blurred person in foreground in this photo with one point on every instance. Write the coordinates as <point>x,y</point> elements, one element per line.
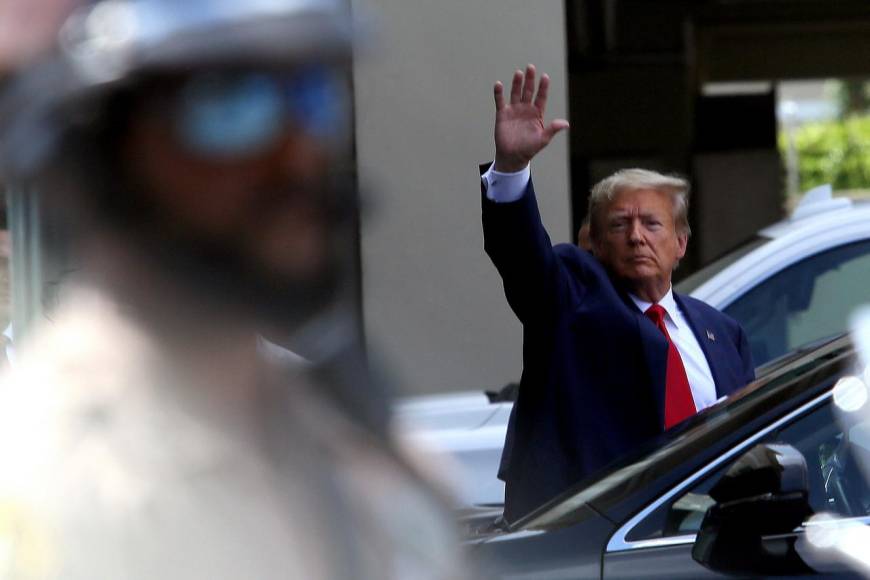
<point>196,153</point>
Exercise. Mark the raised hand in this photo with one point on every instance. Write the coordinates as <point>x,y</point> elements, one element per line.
<point>520,131</point>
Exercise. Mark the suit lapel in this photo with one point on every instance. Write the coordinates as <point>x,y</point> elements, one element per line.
<point>705,336</point>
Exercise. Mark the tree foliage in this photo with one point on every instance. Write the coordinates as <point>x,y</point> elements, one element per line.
<point>835,152</point>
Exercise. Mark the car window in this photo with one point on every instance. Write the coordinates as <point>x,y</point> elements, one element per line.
<point>805,302</point>
<point>835,455</point>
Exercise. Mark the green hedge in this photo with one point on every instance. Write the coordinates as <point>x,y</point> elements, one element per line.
<point>835,152</point>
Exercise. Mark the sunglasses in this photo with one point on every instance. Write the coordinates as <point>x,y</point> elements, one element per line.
<point>225,114</point>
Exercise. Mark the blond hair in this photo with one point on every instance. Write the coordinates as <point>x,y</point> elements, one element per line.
<point>604,191</point>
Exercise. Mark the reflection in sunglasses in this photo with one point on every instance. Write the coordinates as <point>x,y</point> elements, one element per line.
<point>232,114</point>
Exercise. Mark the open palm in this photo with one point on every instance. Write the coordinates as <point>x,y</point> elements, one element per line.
<point>520,130</point>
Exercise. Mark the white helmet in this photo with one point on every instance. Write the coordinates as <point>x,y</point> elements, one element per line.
<point>108,44</point>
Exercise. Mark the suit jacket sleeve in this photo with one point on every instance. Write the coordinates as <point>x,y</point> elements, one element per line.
<point>535,280</point>
<point>746,356</point>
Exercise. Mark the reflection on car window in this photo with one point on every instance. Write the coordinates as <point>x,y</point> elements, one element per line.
<point>835,453</point>
<point>682,516</point>
<point>805,302</point>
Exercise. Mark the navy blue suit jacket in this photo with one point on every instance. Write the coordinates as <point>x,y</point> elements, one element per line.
<point>593,378</point>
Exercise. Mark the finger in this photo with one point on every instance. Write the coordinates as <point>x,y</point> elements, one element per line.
<point>516,87</point>
<point>543,91</point>
<point>498,93</point>
<point>556,126</point>
<point>529,85</point>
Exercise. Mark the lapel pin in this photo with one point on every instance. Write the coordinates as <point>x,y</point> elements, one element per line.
<point>711,336</point>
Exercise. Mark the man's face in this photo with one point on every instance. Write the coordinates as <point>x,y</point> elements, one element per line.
<point>638,241</point>
<point>265,203</point>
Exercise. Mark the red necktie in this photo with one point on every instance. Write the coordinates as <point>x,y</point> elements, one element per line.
<point>679,404</point>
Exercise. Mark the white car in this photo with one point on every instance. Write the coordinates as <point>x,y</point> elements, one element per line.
<point>793,284</point>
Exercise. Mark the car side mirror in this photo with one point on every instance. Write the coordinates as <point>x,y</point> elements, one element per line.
<point>760,501</point>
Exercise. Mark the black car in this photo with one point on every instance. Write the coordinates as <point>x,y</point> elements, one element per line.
<point>641,517</point>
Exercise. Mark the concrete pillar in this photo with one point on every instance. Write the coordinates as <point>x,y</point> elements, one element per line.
<point>433,304</point>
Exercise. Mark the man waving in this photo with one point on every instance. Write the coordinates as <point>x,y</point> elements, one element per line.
<point>612,356</point>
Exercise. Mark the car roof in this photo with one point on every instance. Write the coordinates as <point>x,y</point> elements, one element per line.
<point>819,223</point>
<point>819,209</point>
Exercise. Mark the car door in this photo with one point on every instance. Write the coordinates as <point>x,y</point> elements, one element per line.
<point>657,542</point>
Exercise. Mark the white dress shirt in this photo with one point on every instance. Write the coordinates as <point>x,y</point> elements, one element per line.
<point>697,367</point>
<point>507,187</point>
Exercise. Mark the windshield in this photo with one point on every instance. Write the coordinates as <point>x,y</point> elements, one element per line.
<point>694,281</point>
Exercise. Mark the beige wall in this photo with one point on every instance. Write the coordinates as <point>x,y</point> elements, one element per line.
<point>433,304</point>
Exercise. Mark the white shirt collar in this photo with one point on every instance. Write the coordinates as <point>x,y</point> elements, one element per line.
<point>667,302</point>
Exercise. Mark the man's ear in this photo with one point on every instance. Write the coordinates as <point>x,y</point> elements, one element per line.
<point>682,243</point>
<point>584,237</point>
<point>595,246</point>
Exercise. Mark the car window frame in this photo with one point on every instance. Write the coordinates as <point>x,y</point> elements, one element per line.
<point>618,541</point>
